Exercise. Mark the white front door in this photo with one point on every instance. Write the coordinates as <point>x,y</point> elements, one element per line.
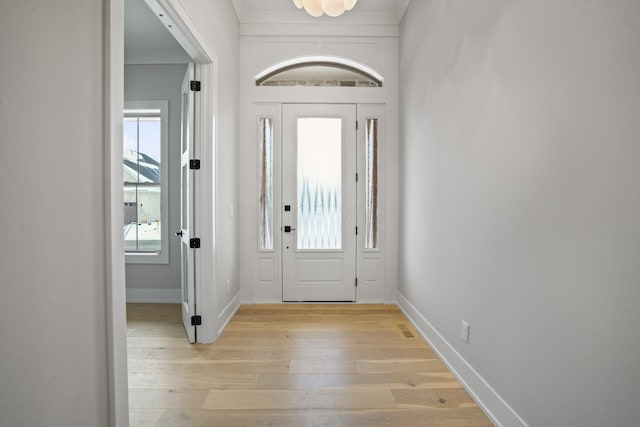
<point>319,202</point>
<point>187,231</point>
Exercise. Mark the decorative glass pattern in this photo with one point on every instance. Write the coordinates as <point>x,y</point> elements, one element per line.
<point>266,183</point>
<point>371,184</point>
<point>319,183</point>
<point>319,74</point>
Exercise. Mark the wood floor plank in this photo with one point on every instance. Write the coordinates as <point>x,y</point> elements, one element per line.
<point>300,399</point>
<point>465,417</point>
<point>444,398</point>
<point>193,381</point>
<point>322,366</point>
<point>173,398</point>
<point>218,418</point>
<point>144,417</point>
<point>387,381</point>
<point>196,366</point>
<point>291,365</point>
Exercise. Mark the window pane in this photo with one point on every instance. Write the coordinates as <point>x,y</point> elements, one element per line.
<point>141,161</point>
<point>266,183</point>
<point>319,183</point>
<point>371,184</point>
<point>149,218</point>
<point>130,219</point>
<point>319,75</point>
<point>130,149</point>
<point>149,149</point>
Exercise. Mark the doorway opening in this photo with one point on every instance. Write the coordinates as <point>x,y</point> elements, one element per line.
<point>182,29</point>
<point>158,141</point>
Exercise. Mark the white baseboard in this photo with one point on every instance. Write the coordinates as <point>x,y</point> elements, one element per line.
<point>227,314</point>
<point>498,411</point>
<point>157,296</point>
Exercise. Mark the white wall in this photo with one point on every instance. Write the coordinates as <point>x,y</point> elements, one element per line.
<point>520,209</point>
<point>53,343</point>
<point>160,282</point>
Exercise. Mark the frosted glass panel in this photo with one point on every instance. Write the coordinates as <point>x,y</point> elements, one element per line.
<point>371,184</point>
<point>266,183</point>
<point>319,183</point>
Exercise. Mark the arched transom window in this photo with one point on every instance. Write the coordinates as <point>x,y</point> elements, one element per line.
<point>319,71</point>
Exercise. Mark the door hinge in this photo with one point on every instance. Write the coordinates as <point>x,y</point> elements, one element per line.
<point>356,282</point>
<point>194,164</point>
<point>356,125</point>
<point>356,230</point>
<point>194,243</point>
<point>196,320</point>
<point>194,85</point>
<point>356,177</point>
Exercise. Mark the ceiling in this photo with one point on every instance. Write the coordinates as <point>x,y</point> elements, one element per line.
<point>388,12</point>
<point>146,40</point>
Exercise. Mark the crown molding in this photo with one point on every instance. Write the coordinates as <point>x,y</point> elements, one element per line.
<point>319,30</point>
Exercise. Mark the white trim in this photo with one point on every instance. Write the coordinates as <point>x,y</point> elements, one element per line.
<point>113,94</point>
<point>319,30</point>
<point>227,314</point>
<point>183,28</point>
<point>154,296</point>
<point>491,403</point>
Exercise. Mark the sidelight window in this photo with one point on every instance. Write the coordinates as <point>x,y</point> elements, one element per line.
<point>371,183</point>
<point>266,183</point>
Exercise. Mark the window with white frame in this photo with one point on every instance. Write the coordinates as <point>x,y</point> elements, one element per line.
<point>144,180</point>
<point>266,183</point>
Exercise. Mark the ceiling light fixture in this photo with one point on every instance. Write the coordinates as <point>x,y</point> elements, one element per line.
<point>329,7</point>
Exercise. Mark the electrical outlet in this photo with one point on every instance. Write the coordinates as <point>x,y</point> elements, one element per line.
<point>464,331</point>
<point>228,285</point>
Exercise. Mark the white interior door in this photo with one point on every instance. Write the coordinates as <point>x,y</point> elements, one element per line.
<point>319,202</point>
<point>187,231</point>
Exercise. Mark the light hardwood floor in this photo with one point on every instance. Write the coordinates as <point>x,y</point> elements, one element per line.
<point>291,365</point>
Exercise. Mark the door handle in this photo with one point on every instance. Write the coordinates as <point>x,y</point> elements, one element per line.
<point>288,229</point>
<point>179,233</point>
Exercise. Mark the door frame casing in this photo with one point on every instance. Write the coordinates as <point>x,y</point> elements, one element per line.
<point>371,265</point>
<point>187,231</point>
<point>188,35</point>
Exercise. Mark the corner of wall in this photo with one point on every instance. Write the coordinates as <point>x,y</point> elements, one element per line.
<point>491,403</point>
<point>227,313</point>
